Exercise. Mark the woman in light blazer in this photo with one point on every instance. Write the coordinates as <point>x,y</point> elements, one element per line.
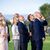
<point>15,33</point>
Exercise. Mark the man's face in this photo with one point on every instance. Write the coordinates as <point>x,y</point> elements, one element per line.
<point>21,18</point>
<point>38,15</point>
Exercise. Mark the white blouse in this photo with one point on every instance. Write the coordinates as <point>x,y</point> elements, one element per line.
<point>15,32</point>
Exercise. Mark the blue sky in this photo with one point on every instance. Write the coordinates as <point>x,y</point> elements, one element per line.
<point>20,6</point>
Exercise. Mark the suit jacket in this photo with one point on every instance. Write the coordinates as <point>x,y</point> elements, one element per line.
<point>37,29</point>
<point>23,32</point>
<point>31,29</point>
<point>44,23</point>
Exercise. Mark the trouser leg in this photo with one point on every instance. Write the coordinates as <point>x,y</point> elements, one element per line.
<point>33,45</point>
<point>16,45</point>
<point>23,46</point>
<point>39,45</point>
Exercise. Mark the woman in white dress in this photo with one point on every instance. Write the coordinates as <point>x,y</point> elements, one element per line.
<point>3,35</point>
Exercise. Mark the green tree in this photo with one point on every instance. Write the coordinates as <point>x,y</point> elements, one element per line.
<point>45,10</point>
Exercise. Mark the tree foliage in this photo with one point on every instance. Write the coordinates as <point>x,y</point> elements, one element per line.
<point>45,10</point>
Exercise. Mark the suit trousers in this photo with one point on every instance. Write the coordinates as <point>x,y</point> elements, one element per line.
<point>33,45</point>
<point>39,44</point>
<point>24,46</point>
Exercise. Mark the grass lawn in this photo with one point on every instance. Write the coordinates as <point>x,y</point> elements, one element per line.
<point>46,45</point>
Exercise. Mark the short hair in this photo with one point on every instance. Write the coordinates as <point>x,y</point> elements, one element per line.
<point>38,13</point>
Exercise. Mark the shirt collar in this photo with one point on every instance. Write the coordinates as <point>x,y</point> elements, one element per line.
<point>22,22</point>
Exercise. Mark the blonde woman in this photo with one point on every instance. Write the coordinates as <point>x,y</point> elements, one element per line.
<point>15,33</point>
<point>3,35</point>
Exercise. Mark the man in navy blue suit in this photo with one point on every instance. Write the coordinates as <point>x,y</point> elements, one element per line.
<point>39,33</point>
<point>37,30</point>
<point>24,35</point>
<point>31,30</point>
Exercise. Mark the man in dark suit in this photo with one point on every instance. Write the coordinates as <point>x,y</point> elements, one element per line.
<point>31,30</point>
<point>24,35</point>
<point>39,33</point>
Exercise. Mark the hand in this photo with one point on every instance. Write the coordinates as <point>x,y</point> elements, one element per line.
<point>5,35</point>
<point>43,18</point>
<point>4,38</point>
<point>43,39</point>
<point>30,34</point>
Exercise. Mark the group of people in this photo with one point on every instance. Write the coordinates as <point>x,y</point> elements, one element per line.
<point>21,34</point>
<point>36,33</point>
